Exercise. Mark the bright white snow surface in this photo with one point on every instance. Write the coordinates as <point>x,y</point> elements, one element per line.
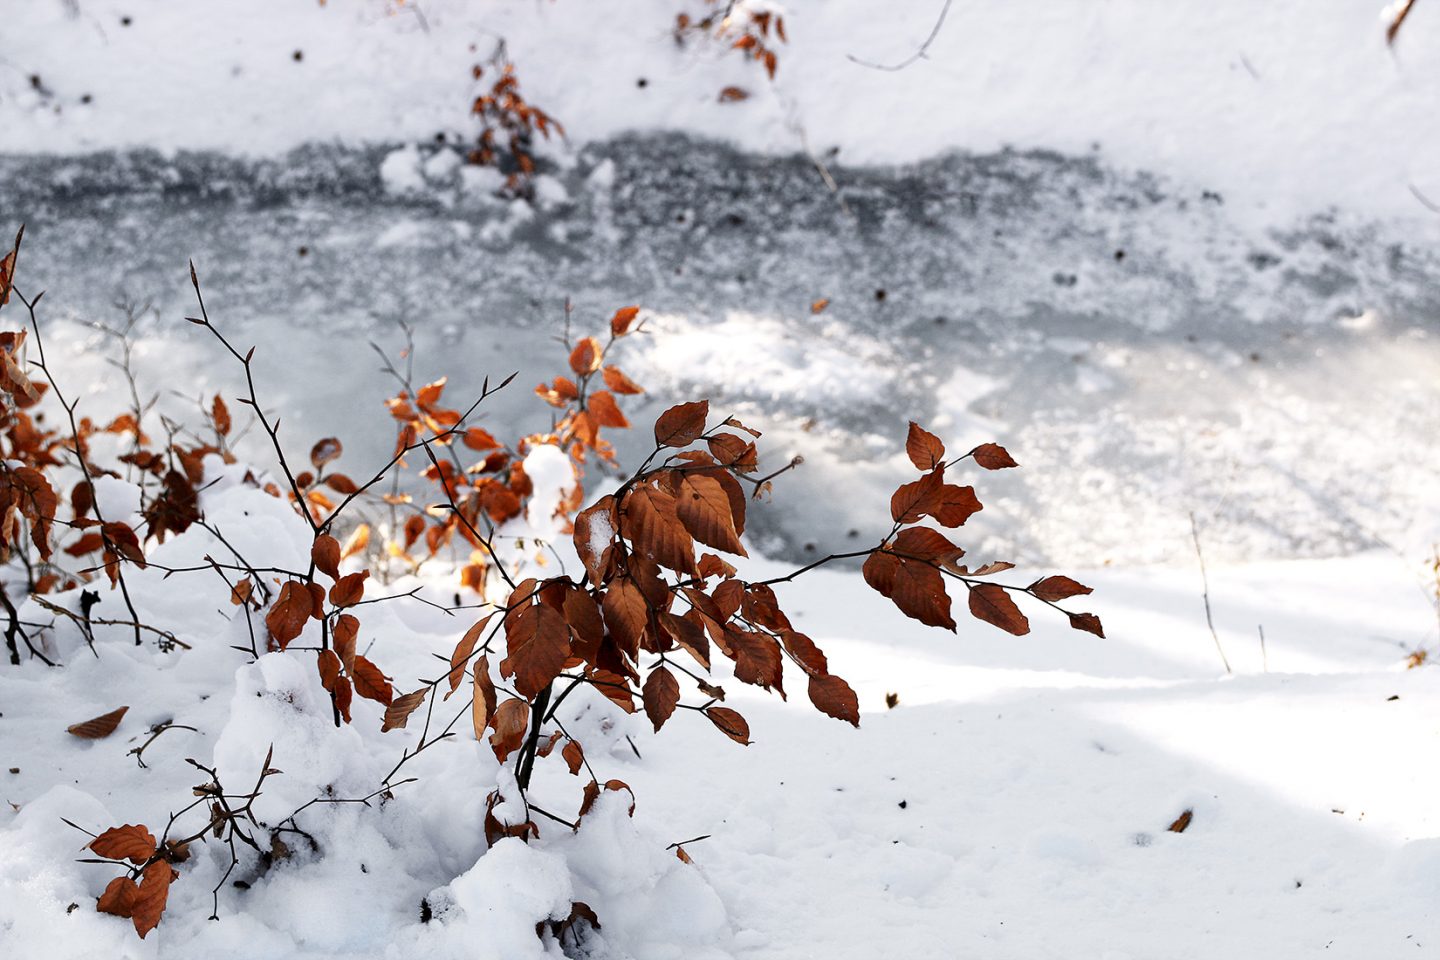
<point>1014,804</point>
<point>1287,106</point>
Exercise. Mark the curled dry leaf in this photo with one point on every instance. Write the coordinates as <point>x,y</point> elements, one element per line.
<point>1181,822</point>
<point>594,536</point>
<point>1057,588</point>
<point>574,756</point>
<point>992,456</point>
<point>538,642</point>
<point>818,306</point>
<point>287,616</point>
<point>349,589</point>
<point>328,664</point>
<point>131,842</point>
<point>705,509</point>
<point>626,615</point>
<point>992,603</point>
<point>620,323</point>
<point>482,707</point>
<point>124,542</point>
<point>325,451</point>
<point>150,899</point>
<point>119,897</point>
<point>370,683</point>
<point>924,448</point>
<point>343,636</point>
<point>240,593</point>
<point>606,413</point>
<point>833,696</point>
<point>1087,622</point>
<point>98,728</point>
<point>342,484</point>
<point>462,652</point>
<point>682,424</point>
<point>661,693</point>
<point>325,554</point>
<point>730,723</point>
<point>653,526</point>
<point>398,713</point>
<point>915,586</point>
<point>616,380</point>
<point>512,718</point>
<point>220,414</point>
<point>585,358</point>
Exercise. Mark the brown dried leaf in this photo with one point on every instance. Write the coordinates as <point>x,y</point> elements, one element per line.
<point>620,323</point>
<point>119,897</point>
<point>1057,588</point>
<point>221,415</point>
<point>349,589</point>
<point>651,523</point>
<point>991,603</point>
<point>343,636</point>
<point>149,903</point>
<point>619,383</point>
<point>482,708</point>
<point>463,649</point>
<point>1181,822</point>
<point>917,588</point>
<point>706,511</point>
<point>730,723</point>
<point>538,642</point>
<point>123,539</point>
<point>595,529</point>
<point>574,756</point>
<point>926,544</point>
<point>289,613</point>
<point>833,696</point>
<point>512,718</point>
<point>328,663</point>
<point>925,449</point>
<point>992,456</point>
<point>325,554</point>
<point>99,727</point>
<point>325,451</point>
<point>660,693</point>
<point>1087,622</point>
<point>626,615</point>
<point>131,842</point>
<point>585,358</point>
<point>398,713</point>
<point>370,683</point>
<point>602,407</point>
<point>682,424</point>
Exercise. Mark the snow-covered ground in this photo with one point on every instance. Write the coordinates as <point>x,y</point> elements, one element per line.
<point>1014,803</point>
<point>1180,258</point>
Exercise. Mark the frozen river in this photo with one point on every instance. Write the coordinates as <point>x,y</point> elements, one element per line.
<point>1141,349</point>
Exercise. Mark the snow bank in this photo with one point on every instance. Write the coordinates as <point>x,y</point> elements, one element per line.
<point>1284,107</point>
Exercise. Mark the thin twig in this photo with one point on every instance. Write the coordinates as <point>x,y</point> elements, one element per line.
<point>1205,587</point>
<point>917,55</point>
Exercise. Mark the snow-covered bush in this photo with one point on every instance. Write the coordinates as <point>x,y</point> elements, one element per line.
<point>647,614</point>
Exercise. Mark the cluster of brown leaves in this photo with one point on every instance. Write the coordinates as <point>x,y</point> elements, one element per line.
<point>656,605</point>
<point>912,563</point>
<point>35,459</point>
<point>755,32</point>
<point>141,900</point>
<point>509,124</point>
<point>485,492</point>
